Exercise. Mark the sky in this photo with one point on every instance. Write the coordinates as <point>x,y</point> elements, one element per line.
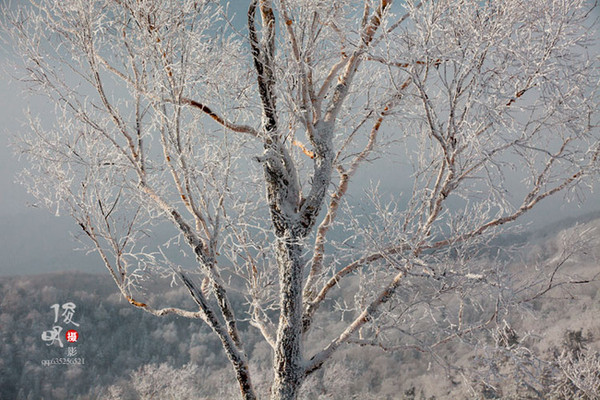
<point>34,240</point>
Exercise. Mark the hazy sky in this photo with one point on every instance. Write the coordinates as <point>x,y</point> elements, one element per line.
<point>34,240</point>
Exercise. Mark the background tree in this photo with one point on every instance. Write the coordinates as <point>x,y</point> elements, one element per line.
<point>173,122</point>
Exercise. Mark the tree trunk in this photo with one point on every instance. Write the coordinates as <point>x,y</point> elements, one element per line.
<point>288,362</point>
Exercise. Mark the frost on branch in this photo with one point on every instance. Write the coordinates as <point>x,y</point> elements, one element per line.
<point>234,159</point>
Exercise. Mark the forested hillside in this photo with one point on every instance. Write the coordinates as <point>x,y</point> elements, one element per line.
<point>129,354</point>
<point>114,338</point>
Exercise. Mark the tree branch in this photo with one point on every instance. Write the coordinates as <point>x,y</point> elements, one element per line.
<point>318,251</point>
<point>231,126</point>
<point>234,353</point>
<point>206,260</point>
<point>184,100</point>
<point>366,315</point>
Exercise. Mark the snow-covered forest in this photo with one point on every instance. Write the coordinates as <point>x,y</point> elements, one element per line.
<point>132,355</point>
<point>324,190</point>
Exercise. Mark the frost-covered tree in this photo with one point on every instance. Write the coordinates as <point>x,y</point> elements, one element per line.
<point>181,133</point>
<point>159,382</point>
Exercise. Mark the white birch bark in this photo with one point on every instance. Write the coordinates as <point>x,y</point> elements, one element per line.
<point>168,114</point>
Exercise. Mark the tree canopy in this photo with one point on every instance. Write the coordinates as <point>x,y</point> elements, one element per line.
<point>244,142</point>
